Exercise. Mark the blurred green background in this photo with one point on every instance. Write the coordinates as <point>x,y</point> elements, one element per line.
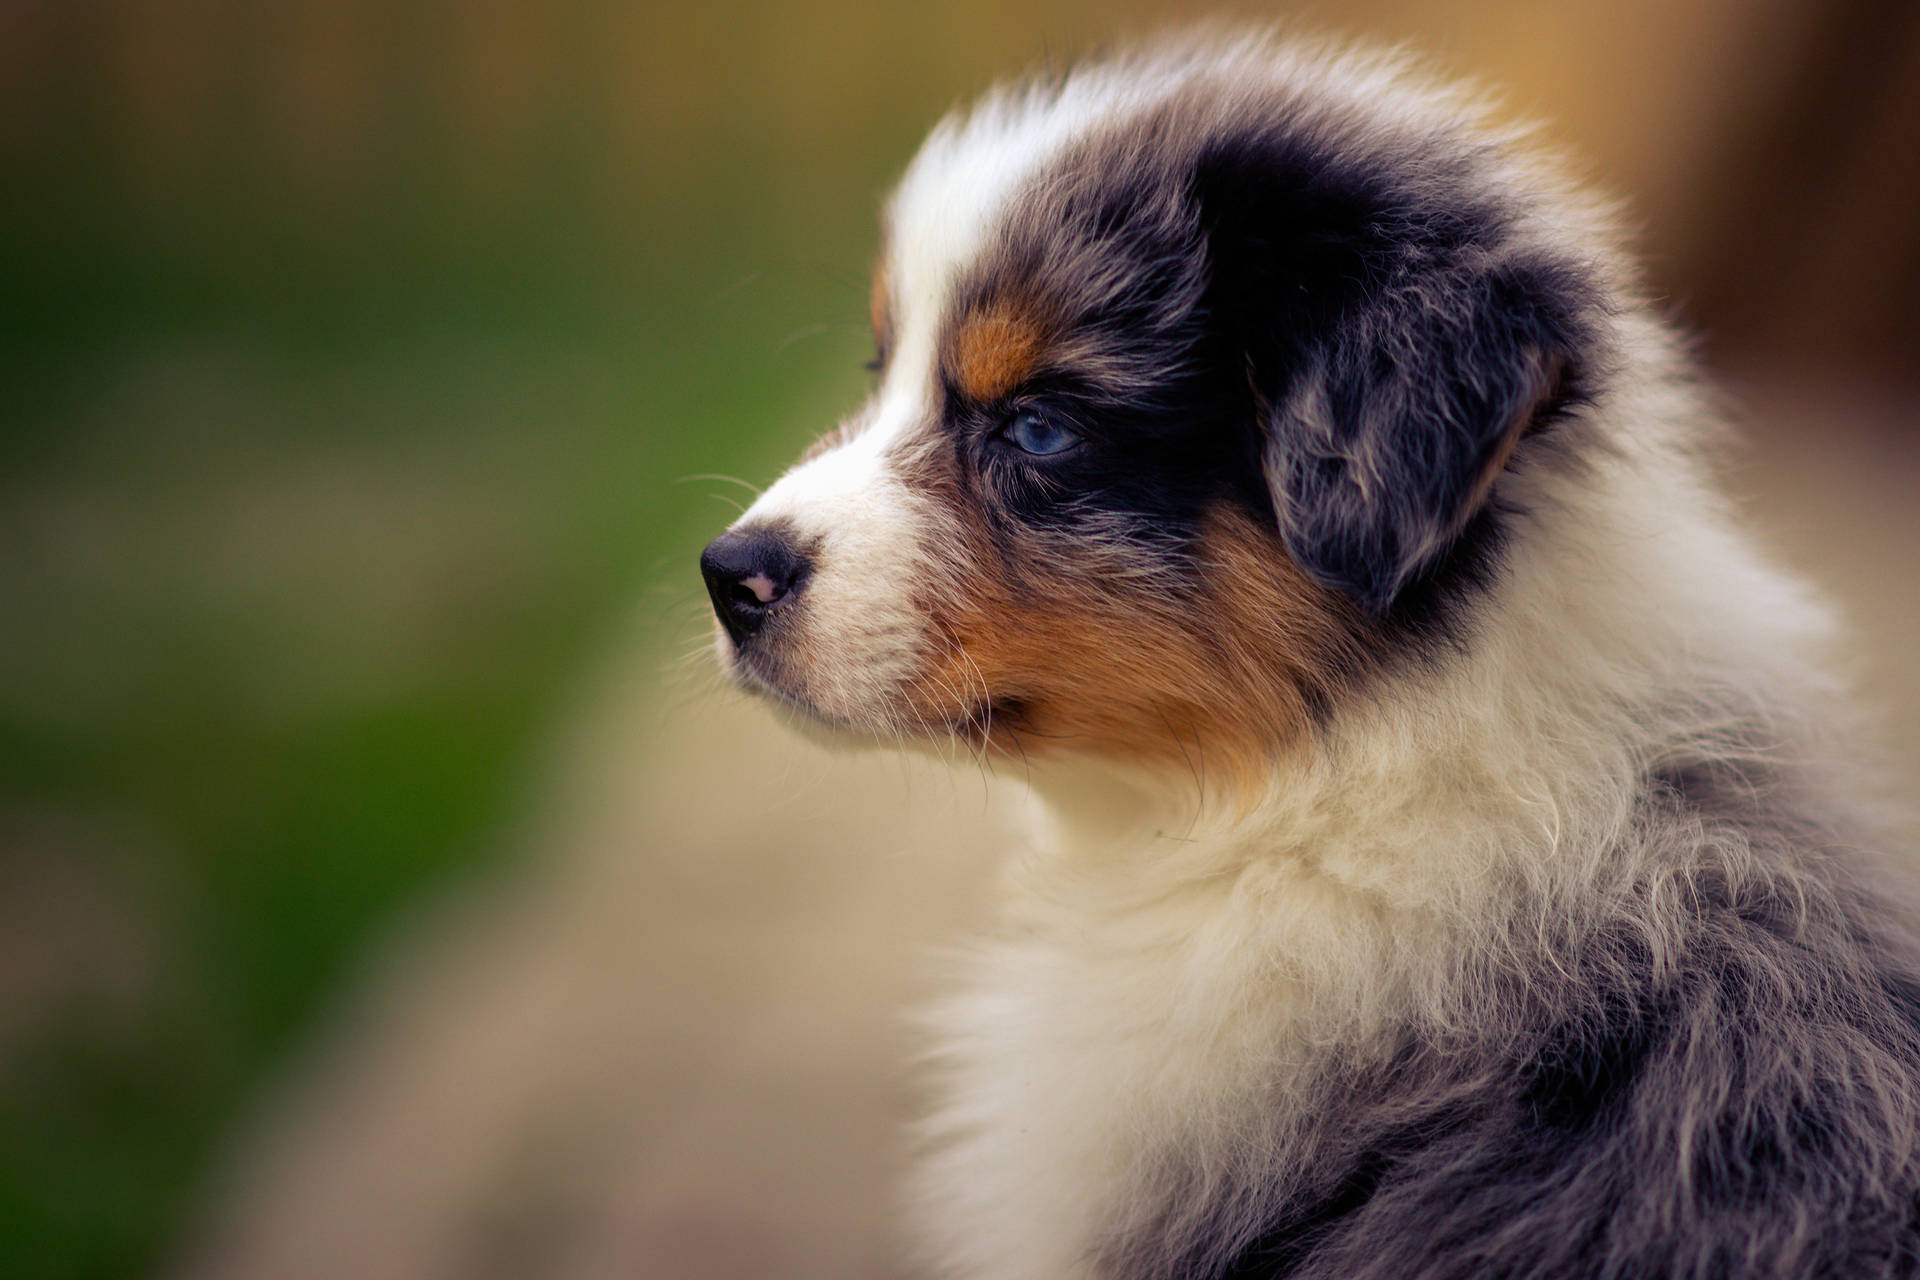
<point>350,355</point>
<point>360,368</point>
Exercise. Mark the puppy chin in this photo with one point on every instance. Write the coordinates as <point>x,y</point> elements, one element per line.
<point>768,679</point>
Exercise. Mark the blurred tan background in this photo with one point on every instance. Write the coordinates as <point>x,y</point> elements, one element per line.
<point>384,889</point>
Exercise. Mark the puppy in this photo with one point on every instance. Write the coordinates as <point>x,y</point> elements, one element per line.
<point>1441,867</point>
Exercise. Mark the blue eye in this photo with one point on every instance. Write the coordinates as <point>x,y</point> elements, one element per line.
<point>1036,433</point>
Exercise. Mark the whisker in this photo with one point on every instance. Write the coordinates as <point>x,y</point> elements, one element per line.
<point>749,486</point>
<point>812,331</point>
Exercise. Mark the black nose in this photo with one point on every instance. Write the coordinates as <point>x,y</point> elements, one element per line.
<point>750,573</point>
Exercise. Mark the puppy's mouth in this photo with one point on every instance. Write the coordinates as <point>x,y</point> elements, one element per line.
<point>983,723</point>
<point>753,669</point>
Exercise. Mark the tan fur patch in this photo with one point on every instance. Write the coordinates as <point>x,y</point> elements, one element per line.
<point>1217,681</point>
<point>995,350</point>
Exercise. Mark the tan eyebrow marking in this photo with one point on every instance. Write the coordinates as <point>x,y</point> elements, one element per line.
<point>995,350</point>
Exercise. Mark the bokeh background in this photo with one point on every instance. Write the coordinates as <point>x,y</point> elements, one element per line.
<point>383,889</point>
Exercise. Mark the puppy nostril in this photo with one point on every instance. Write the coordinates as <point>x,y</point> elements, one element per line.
<point>763,589</point>
<point>754,593</point>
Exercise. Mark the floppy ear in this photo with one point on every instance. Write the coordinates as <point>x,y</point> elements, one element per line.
<point>1396,361</point>
<point>1389,438</point>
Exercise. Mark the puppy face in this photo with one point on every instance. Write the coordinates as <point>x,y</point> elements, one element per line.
<point>1197,378</point>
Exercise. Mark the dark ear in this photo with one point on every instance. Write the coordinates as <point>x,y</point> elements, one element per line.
<point>1396,361</point>
<point>1388,438</point>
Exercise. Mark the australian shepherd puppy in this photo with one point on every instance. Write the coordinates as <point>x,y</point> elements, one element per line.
<point>1440,867</point>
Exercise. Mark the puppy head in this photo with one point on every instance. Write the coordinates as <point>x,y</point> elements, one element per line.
<point>1200,376</point>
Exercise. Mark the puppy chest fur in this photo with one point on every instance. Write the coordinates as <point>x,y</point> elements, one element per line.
<point>1442,863</point>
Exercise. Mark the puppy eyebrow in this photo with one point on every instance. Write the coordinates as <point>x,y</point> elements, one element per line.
<point>995,349</point>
